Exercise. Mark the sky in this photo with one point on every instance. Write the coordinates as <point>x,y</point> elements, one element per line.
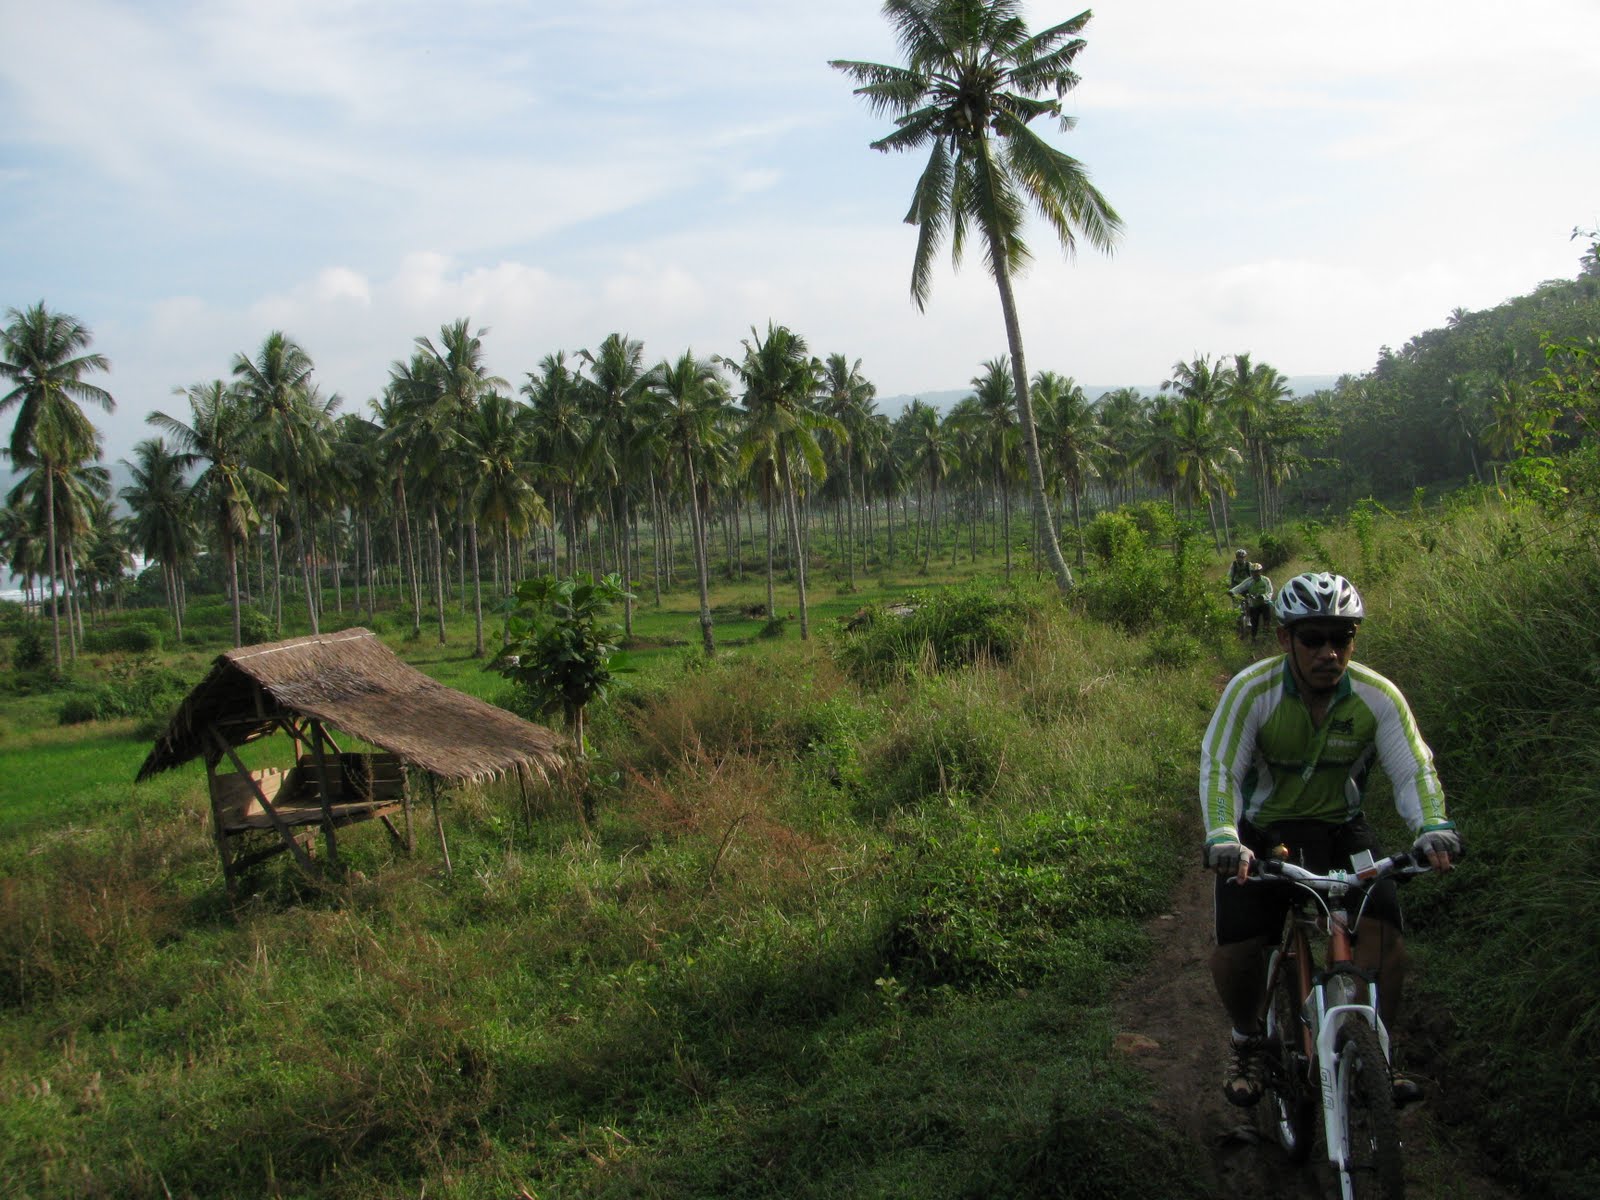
<point>1304,182</point>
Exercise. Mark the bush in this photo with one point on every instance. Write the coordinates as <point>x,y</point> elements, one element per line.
<point>1146,588</point>
<point>29,653</point>
<point>139,689</point>
<point>138,638</point>
<point>951,628</point>
<point>1274,552</point>
<point>255,626</point>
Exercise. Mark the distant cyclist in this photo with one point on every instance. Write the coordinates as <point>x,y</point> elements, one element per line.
<point>1239,569</point>
<point>1256,593</point>
<point>1285,761</point>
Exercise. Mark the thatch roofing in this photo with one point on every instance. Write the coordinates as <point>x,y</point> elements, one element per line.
<point>354,683</point>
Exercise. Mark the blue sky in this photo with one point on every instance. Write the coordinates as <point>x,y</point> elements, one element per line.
<point>1303,182</point>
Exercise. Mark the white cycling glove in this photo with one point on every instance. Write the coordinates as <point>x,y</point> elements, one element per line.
<point>1438,839</point>
<point>1225,854</point>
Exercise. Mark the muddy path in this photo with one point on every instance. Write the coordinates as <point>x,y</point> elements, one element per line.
<point>1171,1025</point>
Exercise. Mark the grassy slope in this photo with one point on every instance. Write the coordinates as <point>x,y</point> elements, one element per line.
<point>754,976</point>
<point>820,941</point>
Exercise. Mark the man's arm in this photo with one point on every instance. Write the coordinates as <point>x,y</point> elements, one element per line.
<point>1406,758</point>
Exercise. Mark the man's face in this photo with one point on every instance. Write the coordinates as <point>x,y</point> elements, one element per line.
<point>1319,652</point>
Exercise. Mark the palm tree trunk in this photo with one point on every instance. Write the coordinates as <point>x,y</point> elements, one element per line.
<point>477,589</point>
<point>50,538</point>
<point>1030,436</point>
<point>794,542</point>
<point>438,564</point>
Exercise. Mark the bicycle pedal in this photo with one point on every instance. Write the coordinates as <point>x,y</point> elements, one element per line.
<point>1406,1092</point>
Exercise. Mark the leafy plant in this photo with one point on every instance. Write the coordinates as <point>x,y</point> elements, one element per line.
<point>562,650</point>
<point>29,652</point>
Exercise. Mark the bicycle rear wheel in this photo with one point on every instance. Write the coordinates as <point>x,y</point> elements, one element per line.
<point>1373,1169</point>
<point>1293,1102</point>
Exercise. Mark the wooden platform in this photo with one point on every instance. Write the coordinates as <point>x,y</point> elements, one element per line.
<point>264,812</point>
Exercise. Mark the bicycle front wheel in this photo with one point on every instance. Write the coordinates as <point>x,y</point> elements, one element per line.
<point>1293,1105</point>
<point>1372,1169</point>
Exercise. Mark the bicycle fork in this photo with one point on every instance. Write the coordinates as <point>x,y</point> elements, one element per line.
<point>1336,994</point>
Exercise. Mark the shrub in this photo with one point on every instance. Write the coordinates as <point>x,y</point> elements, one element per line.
<point>29,653</point>
<point>1146,588</point>
<point>136,689</point>
<point>255,626</point>
<point>1276,551</point>
<point>951,628</point>
<point>138,638</point>
<point>80,707</point>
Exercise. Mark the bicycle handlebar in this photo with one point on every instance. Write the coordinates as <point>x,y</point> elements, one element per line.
<point>1403,865</point>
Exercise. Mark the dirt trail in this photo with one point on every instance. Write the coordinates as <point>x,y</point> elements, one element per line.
<point>1172,1025</point>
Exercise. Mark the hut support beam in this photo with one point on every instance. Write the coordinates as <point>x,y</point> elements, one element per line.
<point>324,785</point>
<point>433,793</point>
<point>284,831</point>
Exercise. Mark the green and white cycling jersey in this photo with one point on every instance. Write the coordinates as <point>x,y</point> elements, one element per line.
<point>1258,591</point>
<point>1263,759</point>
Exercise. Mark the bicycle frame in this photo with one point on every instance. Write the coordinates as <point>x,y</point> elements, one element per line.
<point>1326,995</point>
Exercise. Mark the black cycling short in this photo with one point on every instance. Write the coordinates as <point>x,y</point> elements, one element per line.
<point>1244,911</point>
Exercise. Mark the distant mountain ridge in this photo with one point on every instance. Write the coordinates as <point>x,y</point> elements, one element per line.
<point>1300,385</point>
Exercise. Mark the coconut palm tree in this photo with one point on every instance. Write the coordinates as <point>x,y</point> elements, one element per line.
<point>501,440</point>
<point>616,371</point>
<point>781,380</point>
<point>683,410</point>
<point>1070,436</point>
<point>42,358</point>
<point>974,81</point>
<point>461,382</point>
<point>560,431</point>
<point>218,434</point>
<point>275,385</point>
<point>847,397</point>
<point>163,523</point>
<point>994,411</point>
<point>1122,421</point>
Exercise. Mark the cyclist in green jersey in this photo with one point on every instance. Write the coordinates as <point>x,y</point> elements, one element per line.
<point>1256,593</point>
<point>1239,569</point>
<point>1285,761</point>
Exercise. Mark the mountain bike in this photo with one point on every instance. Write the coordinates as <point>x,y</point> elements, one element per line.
<point>1242,624</point>
<point>1325,1041</point>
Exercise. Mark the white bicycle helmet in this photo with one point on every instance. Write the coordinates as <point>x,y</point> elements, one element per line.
<point>1239,554</point>
<point>1319,594</point>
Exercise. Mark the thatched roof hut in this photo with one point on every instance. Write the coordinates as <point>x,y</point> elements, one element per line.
<point>352,682</point>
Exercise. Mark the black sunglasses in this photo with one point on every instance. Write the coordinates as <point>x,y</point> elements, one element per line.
<point>1315,640</point>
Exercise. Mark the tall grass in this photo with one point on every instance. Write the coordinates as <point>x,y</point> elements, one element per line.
<point>817,940</point>
<point>1492,622</point>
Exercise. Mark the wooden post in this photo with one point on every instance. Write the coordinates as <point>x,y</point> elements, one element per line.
<point>405,800</point>
<point>325,785</point>
<point>216,827</point>
<point>433,792</point>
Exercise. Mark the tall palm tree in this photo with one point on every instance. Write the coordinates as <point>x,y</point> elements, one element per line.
<point>1070,434</point>
<point>218,435</point>
<point>462,381</point>
<point>42,357</point>
<point>683,410</point>
<point>1122,420</point>
<point>503,494</point>
<point>560,431</point>
<point>276,384</point>
<point>781,381</point>
<point>974,81</point>
<point>847,398</point>
<point>995,411</point>
<point>163,524</point>
<point>616,372</point>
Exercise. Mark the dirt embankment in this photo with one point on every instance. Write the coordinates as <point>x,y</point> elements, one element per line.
<point>1172,1025</point>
